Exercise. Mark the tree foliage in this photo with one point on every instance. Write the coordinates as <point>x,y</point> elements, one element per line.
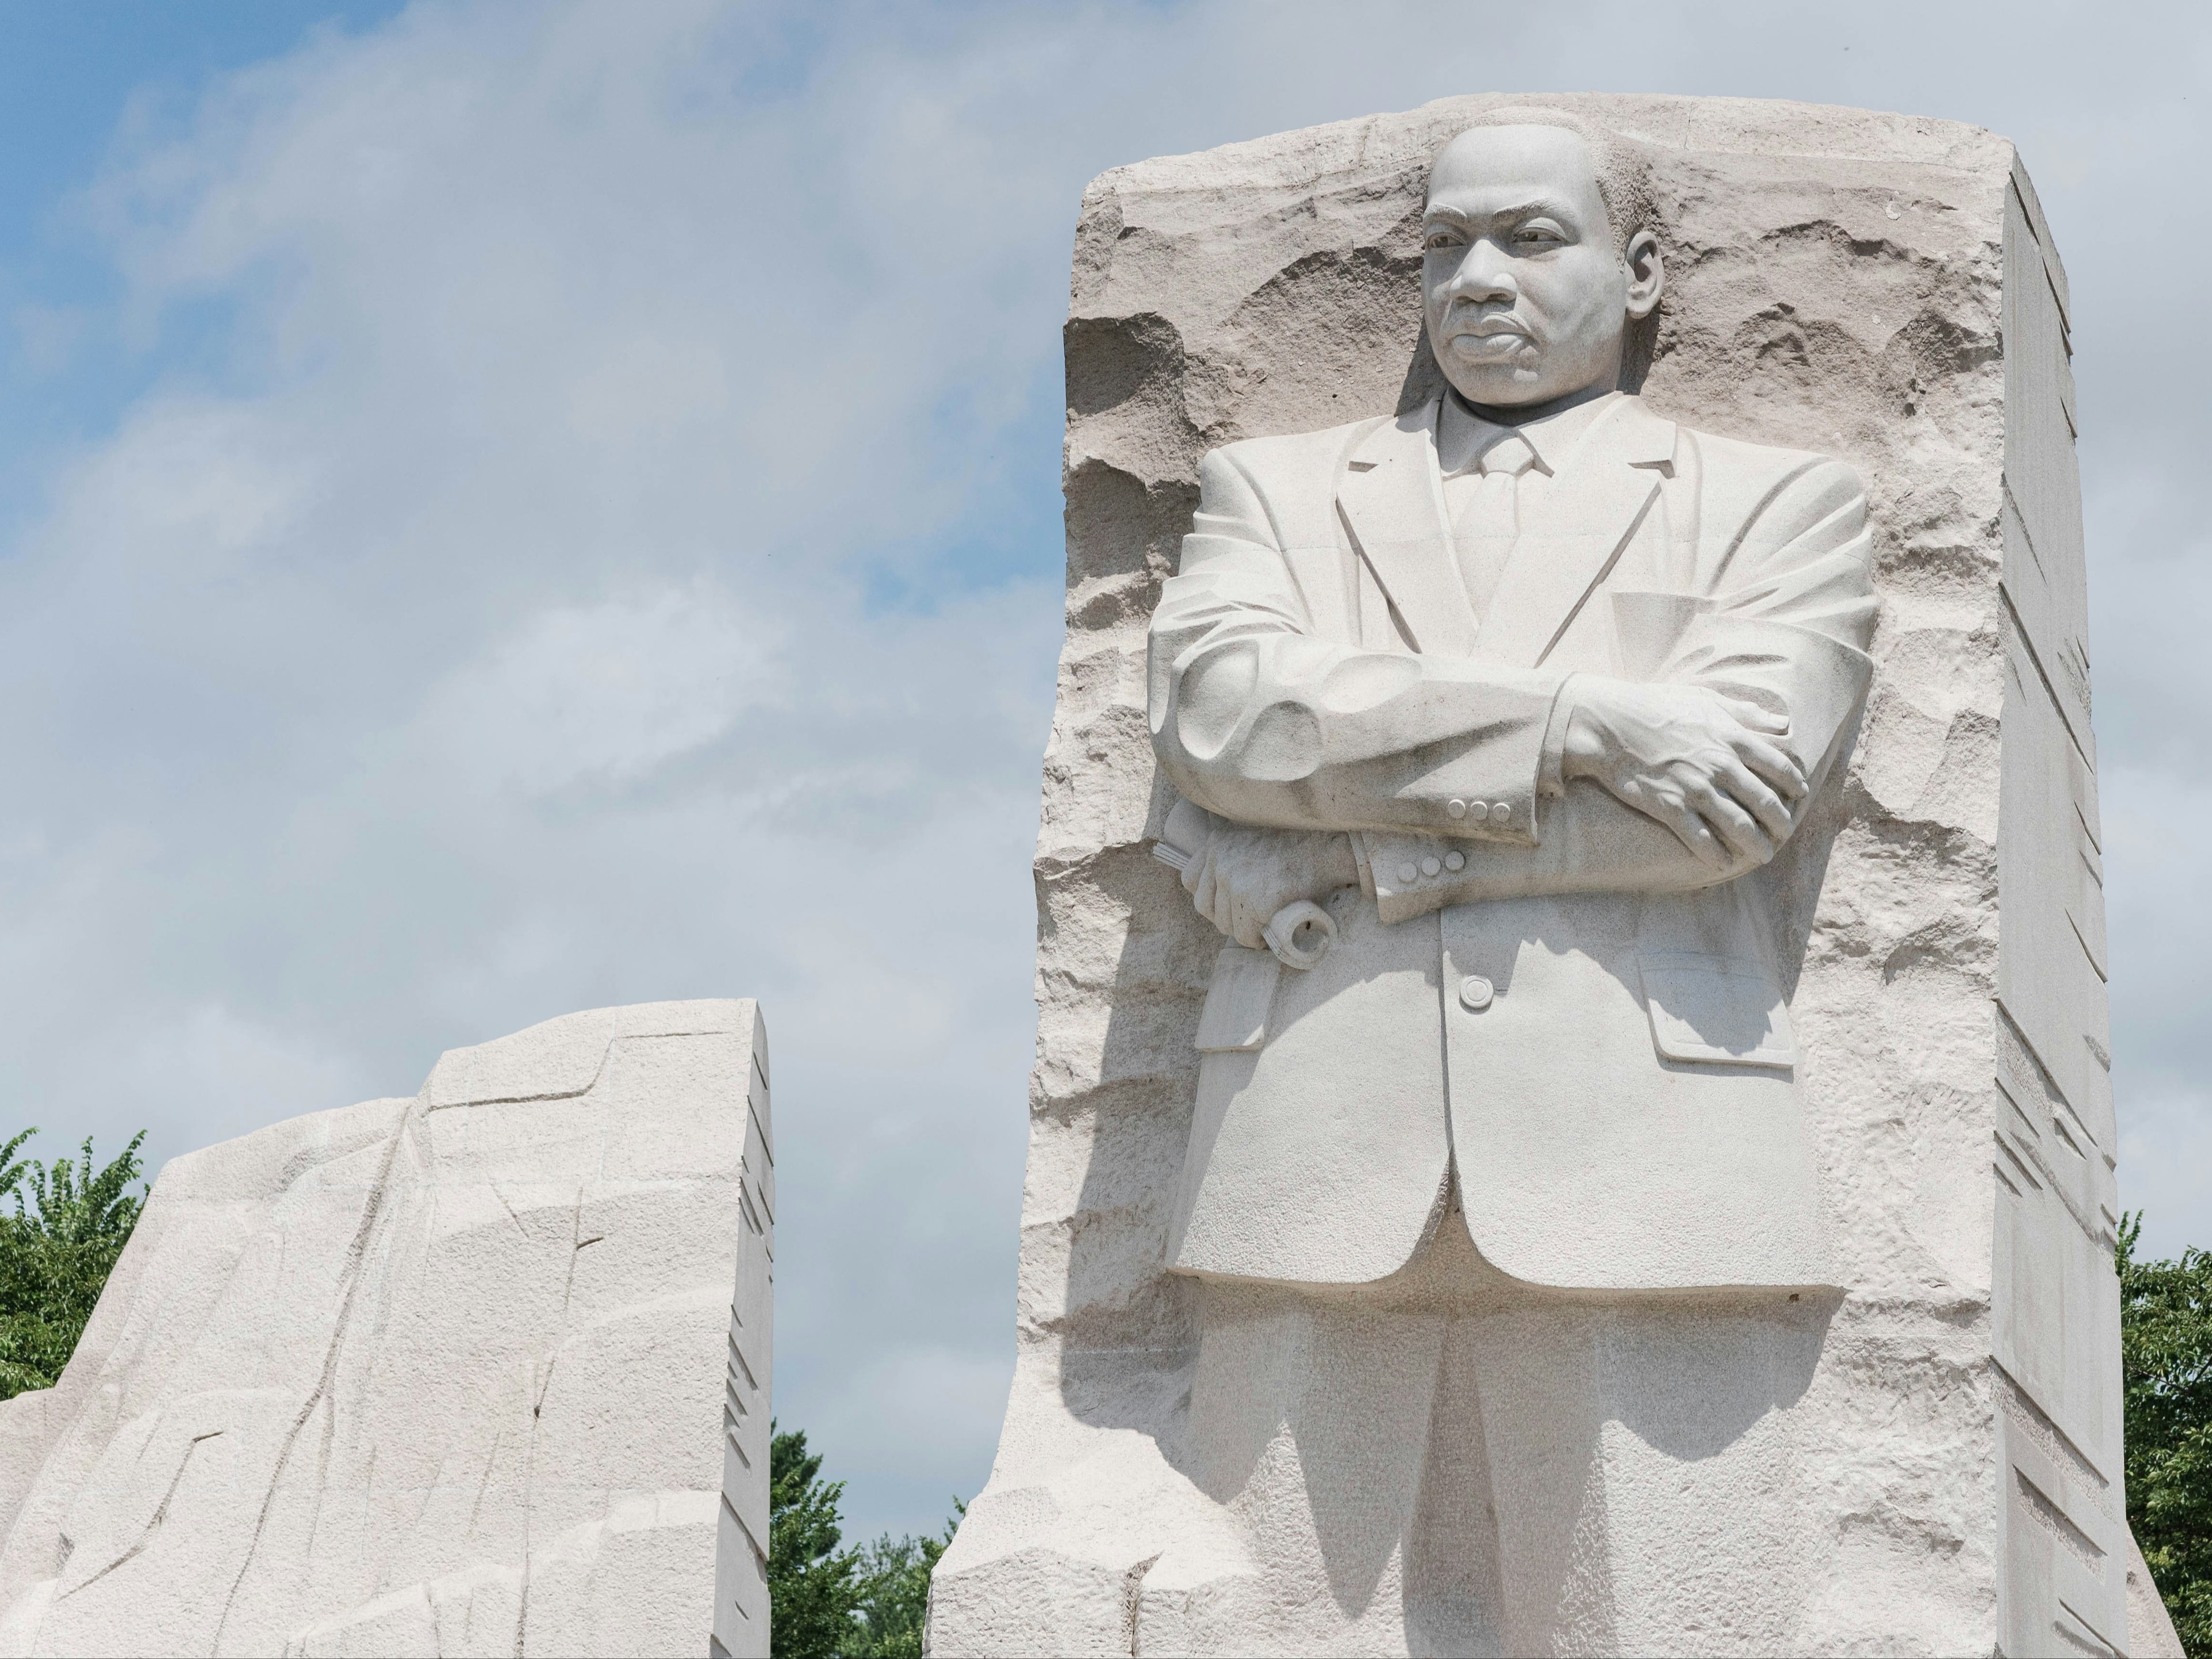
<point>829,1602</point>
<point>2165,1347</point>
<point>894,1603</point>
<point>811,1593</point>
<point>56,1252</point>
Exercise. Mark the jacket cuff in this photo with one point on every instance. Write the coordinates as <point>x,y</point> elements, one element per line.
<point>1488,795</point>
<point>1360,859</point>
<point>1551,777</point>
<point>1411,875</point>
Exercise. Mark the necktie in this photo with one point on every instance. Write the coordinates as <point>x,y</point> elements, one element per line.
<point>1491,518</point>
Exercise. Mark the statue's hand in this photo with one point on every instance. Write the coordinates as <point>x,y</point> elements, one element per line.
<point>1239,877</point>
<point>1704,765</point>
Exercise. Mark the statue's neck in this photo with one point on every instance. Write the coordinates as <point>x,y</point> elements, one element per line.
<point>1521,414</point>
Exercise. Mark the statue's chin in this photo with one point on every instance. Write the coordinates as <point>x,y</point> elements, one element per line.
<point>1528,379</point>
<point>1504,386</point>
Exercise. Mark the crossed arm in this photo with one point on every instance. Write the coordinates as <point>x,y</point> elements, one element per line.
<point>1318,764</point>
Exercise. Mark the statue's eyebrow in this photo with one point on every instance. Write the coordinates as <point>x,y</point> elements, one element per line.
<point>1525,210</point>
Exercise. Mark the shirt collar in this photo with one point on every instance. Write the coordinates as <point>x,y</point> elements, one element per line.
<point>1462,436</point>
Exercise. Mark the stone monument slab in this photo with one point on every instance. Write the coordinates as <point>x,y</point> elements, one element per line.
<point>463,1373</point>
<point>1573,1108</point>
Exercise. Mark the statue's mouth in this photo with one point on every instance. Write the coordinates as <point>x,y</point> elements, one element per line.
<point>1493,327</point>
<point>1488,340</point>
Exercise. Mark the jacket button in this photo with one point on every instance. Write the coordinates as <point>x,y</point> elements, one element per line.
<point>1474,993</point>
<point>1432,866</point>
<point>1456,808</point>
<point>1406,872</point>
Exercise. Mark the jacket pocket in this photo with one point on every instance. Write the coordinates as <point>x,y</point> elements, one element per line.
<point>1716,1010</point>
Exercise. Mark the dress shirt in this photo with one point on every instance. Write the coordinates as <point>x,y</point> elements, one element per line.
<point>1490,482</point>
<point>1463,437</point>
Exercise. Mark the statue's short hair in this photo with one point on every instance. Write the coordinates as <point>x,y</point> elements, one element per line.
<point>1624,167</point>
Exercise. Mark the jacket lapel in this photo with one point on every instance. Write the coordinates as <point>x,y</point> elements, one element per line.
<point>1392,500</point>
<point>1571,538</point>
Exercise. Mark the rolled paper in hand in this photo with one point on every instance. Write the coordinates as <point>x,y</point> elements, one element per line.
<point>1300,934</point>
<point>1283,931</point>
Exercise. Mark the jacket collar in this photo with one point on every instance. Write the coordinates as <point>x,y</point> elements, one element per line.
<point>1391,499</point>
<point>1462,436</point>
<point>1393,502</point>
<point>1572,534</point>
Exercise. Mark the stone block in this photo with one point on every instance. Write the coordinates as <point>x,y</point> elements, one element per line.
<point>446,1375</point>
<point>1944,1418</point>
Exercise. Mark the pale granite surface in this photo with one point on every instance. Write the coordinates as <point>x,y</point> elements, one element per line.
<point>437,1376</point>
<point>1941,1466</point>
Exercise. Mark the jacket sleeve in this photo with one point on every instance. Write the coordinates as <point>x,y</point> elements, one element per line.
<point>1786,627</point>
<point>1256,718</point>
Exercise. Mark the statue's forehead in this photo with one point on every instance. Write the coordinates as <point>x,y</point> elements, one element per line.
<point>1485,158</point>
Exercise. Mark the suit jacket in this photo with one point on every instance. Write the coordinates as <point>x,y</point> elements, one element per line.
<point>1548,993</point>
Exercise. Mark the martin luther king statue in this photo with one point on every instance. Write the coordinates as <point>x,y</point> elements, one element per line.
<point>1483,717</point>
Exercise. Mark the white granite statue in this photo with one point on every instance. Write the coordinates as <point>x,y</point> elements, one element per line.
<point>1527,1266</point>
<point>1625,650</point>
<point>1523,679</point>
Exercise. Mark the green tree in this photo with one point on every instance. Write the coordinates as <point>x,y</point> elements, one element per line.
<point>829,1602</point>
<point>2166,1347</point>
<point>895,1591</point>
<point>812,1584</point>
<point>56,1252</point>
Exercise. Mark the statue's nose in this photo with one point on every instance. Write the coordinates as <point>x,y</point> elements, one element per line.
<point>1484,273</point>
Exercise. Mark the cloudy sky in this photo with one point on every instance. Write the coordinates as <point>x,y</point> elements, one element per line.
<point>511,507</point>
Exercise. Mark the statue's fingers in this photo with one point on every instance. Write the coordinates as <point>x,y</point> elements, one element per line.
<point>1249,924</point>
<point>1737,830</point>
<point>1677,815</point>
<point>1751,793</point>
<point>1772,762</point>
<point>1203,887</point>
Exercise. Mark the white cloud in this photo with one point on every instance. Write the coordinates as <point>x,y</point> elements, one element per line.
<point>608,693</point>
<point>482,615</point>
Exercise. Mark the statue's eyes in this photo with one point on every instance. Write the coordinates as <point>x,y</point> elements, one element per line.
<point>1537,236</point>
<point>1442,238</point>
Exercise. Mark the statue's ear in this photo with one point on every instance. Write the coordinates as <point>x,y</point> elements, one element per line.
<point>1647,273</point>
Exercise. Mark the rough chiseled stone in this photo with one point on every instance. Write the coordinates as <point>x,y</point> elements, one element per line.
<point>442,1375</point>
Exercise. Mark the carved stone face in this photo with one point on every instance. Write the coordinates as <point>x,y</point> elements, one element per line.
<point>1526,295</point>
